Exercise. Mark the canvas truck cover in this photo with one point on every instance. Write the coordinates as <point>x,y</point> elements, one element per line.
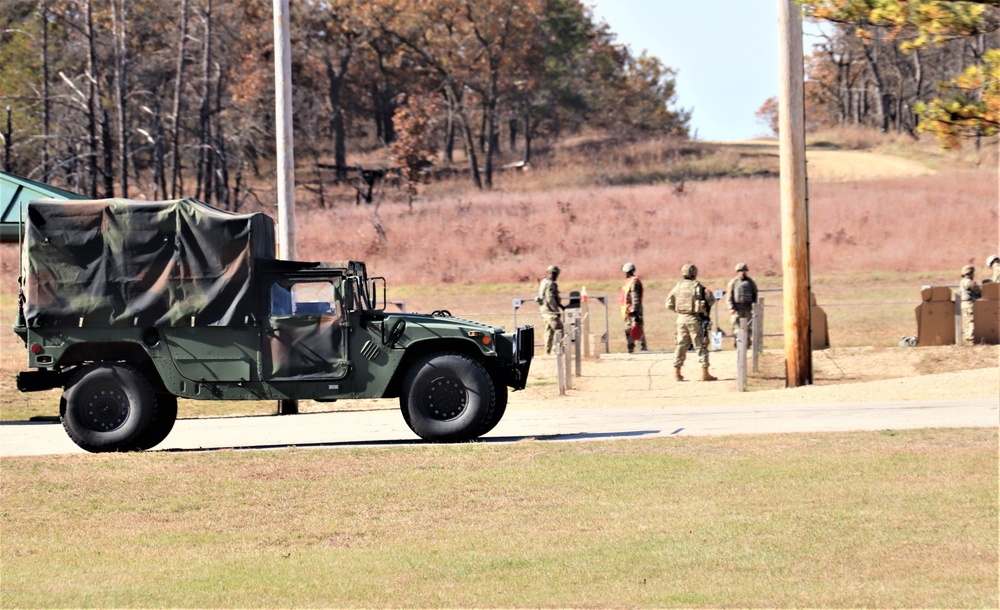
<point>116,262</point>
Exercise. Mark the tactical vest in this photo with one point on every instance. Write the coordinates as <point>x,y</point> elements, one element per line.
<point>687,297</point>
<point>743,292</point>
<point>542,285</point>
<point>546,303</point>
<point>623,297</point>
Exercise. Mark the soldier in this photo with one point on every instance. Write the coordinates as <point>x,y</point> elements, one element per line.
<point>692,302</point>
<point>550,306</point>
<point>741,296</point>
<point>631,303</point>
<point>993,263</point>
<point>969,290</point>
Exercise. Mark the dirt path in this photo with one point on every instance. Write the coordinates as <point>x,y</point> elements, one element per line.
<point>830,165</point>
<point>845,375</point>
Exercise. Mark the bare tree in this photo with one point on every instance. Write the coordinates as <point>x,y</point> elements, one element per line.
<point>176,175</point>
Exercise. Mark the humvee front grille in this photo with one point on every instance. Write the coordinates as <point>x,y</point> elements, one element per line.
<point>524,344</point>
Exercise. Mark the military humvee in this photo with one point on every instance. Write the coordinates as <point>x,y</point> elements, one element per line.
<point>128,305</point>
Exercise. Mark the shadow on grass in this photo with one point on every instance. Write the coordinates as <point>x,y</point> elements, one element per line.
<point>578,436</point>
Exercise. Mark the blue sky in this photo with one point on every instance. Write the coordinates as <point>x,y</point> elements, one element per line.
<point>726,52</point>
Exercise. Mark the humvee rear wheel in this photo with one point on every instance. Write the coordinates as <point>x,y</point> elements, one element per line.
<point>108,407</point>
<point>448,398</point>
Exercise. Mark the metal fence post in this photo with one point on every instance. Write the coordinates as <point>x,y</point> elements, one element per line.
<point>568,360</point>
<point>559,363</point>
<point>577,339</point>
<point>757,326</point>
<point>959,335</point>
<point>741,356</point>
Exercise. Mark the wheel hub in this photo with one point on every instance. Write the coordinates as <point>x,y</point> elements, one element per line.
<point>105,410</point>
<point>446,398</point>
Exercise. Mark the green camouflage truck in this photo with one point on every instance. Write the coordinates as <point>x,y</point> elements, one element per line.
<point>129,305</point>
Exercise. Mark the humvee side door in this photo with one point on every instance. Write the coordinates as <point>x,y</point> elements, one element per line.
<point>305,337</point>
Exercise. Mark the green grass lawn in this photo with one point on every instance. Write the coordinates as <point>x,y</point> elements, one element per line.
<point>868,519</point>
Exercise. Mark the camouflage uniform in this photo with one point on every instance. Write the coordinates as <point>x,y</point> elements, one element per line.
<point>631,305</point>
<point>969,290</point>
<point>550,306</point>
<point>741,296</point>
<point>692,302</point>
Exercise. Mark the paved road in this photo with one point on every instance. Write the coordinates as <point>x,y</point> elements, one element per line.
<point>386,427</point>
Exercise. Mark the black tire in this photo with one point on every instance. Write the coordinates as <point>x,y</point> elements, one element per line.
<point>108,406</point>
<point>496,413</point>
<point>499,407</point>
<point>449,398</point>
<point>162,424</point>
<point>405,410</point>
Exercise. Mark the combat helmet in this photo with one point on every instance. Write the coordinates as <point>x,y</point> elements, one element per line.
<point>628,268</point>
<point>968,270</point>
<point>742,267</point>
<point>689,271</point>
<point>552,269</point>
<point>992,259</point>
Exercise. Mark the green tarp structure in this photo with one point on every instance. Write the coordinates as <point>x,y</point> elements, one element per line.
<point>15,193</point>
<point>117,262</point>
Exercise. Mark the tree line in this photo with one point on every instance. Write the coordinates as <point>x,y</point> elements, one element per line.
<point>118,97</point>
<point>904,66</point>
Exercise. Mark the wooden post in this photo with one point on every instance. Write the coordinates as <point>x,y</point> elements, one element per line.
<point>794,208</point>
<point>285,154</point>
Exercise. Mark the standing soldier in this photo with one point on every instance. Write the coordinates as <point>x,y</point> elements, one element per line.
<point>631,302</point>
<point>550,306</point>
<point>993,263</point>
<point>741,296</point>
<point>692,302</point>
<point>969,291</point>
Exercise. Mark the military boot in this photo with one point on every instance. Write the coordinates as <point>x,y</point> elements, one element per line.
<point>705,376</point>
<point>677,374</point>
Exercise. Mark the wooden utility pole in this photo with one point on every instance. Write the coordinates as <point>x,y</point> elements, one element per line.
<point>285,157</point>
<point>794,206</point>
<point>283,117</point>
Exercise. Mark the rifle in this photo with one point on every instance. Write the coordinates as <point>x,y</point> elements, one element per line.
<point>706,320</point>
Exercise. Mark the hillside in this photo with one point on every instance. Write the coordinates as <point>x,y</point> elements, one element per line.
<point>877,205</point>
<point>591,205</point>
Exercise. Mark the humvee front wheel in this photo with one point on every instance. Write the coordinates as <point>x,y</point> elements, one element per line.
<point>108,406</point>
<point>447,397</point>
<point>162,423</point>
<point>499,407</point>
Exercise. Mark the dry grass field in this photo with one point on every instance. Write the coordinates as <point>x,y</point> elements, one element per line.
<point>887,208</point>
<point>935,222</point>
